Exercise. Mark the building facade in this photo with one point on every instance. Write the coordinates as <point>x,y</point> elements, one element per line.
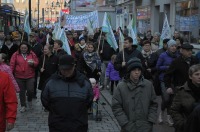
<point>183,16</point>
<point>79,7</point>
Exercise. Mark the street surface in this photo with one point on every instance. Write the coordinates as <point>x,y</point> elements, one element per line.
<point>36,120</point>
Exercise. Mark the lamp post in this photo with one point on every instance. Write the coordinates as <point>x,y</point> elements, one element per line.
<point>29,7</point>
<point>38,12</point>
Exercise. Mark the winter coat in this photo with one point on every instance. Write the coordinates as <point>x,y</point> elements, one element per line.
<point>20,66</point>
<point>84,68</point>
<point>128,55</point>
<point>134,106</point>
<point>50,66</point>
<point>108,51</point>
<point>178,70</point>
<point>68,100</point>
<point>112,73</point>
<point>96,92</point>
<point>6,68</point>
<point>9,52</point>
<point>163,64</point>
<point>37,49</point>
<point>8,101</point>
<point>182,106</point>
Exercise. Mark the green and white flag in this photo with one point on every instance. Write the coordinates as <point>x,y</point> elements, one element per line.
<point>106,28</point>
<point>132,31</point>
<point>166,32</point>
<point>27,28</point>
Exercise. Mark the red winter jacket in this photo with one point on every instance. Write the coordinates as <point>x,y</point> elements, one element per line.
<point>8,101</point>
<point>21,68</point>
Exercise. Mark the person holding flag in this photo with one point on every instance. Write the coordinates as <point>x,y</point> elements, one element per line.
<point>124,56</point>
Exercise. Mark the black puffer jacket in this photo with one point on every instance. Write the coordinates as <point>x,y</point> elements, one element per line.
<point>67,100</point>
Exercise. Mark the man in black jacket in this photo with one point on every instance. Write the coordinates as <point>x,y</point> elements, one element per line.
<point>177,73</point>
<point>130,51</point>
<point>67,96</point>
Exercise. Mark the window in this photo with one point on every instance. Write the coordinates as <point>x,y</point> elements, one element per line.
<point>143,19</point>
<point>187,20</point>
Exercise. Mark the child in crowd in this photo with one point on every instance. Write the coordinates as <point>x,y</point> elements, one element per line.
<point>112,74</point>
<point>96,96</point>
<point>95,89</point>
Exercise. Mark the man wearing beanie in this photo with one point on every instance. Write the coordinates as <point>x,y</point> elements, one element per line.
<point>67,96</point>
<point>134,101</point>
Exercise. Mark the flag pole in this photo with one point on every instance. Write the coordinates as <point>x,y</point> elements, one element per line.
<point>22,36</point>
<point>123,52</point>
<point>99,41</point>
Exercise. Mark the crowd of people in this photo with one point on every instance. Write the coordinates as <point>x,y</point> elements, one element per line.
<point>137,73</point>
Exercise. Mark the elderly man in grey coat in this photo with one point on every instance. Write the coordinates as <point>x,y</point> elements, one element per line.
<point>134,101</point>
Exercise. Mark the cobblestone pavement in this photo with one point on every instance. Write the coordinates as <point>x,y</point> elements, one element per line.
<point>36,120</point>
<point>157,127</point>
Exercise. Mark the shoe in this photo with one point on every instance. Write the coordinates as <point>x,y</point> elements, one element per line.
<point>160,117</point>
<point>23,109</point>
<point>30,105</point>
<point>170,120</point>
<point>107,87</point>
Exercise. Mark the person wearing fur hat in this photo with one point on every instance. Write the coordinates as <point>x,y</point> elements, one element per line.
<point>134,101</point>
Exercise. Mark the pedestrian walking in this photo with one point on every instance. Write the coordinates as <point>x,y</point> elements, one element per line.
<point>67,95</point>
<point>134,101</point>
<point>8,105</point>
<point>185,106</point>
<point>48,65</point>
<point>90,62</point>
<point>112,74</point>
<point>163,63</point>
<point>23,64</point>
<point>130,51</point>
<point>5,68</point>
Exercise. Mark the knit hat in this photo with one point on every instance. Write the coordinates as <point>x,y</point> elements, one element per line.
<point>134,63</point>
<point>66,62</point>
<point>171,42</point>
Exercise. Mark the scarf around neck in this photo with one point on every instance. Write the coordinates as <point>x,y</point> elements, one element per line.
<point>82,46</point>
<point>92,60</point>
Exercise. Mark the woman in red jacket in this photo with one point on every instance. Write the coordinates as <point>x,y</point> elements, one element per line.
<point>8,103</point>
<point>23,64</point>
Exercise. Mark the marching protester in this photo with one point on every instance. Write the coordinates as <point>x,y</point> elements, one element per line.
<point>147,54</point>
<point>5,68</point>
<point>57,47</point>
<point>8,47</point>
<point>48,65</point>
<point>177,73</point>
<point>70,87</point>
<point>163,63</point>
<point>129,52</point>
<point>105,52</point>
<point>112,74</point>
<point>90,62</point>
<point>23,63</point>
<point>8,105</point>
<point>155,42</point>
<point>134,101</point>
<point>36,47</point>
<point>185,106</point>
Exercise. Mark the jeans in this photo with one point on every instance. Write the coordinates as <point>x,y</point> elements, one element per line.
<point>25,85</point>
<point>112,85</point>
<point>166,98</point>
<point>103,79</point>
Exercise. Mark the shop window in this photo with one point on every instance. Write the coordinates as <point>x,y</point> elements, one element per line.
<point>187,20</point>
<point>143,19</point>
